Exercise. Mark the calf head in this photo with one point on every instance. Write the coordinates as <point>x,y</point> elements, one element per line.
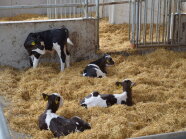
<point>126,84</point>
<point>81,125</point>
<point>63,28</point>
<point>33,41</point>
<point>107,60</point>
<point>54,101</point>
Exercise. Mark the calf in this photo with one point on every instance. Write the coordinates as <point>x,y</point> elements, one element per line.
<point>59,125</point>
<point>106,100</point>
<point>36,45</point>
<point>98,68</point>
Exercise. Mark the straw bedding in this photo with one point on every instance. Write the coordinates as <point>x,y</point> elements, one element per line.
<point>159,95</point>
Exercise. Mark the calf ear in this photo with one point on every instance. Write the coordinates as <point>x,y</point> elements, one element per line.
<point>118,84</point>
<point>45,96</point>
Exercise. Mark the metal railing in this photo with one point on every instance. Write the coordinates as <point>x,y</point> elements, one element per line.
<point>152,22</point>
<point>4,132</point>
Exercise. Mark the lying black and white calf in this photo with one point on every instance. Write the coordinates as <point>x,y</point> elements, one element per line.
<point>36,45</point>
<point>106,100</point>
<point>98,68</point>
<point>59,125</point>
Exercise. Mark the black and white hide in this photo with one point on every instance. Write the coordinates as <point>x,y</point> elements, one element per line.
<point>95,99</point>
<point>58,125</point>
<point>98,68</point>
<point>38,43</point>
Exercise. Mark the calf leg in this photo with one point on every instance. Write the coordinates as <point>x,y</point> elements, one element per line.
<point>61,55</point>
<point>34,59</point>
<point>67,62</point>
<point>31,59</point>
<point>90,73</point>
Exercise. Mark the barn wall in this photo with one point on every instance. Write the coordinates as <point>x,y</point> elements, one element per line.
<point>13,35</point>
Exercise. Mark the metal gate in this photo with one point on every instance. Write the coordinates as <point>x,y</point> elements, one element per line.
<point>155,23</point>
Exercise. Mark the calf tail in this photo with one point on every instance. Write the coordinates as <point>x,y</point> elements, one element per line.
<point>69,41</point>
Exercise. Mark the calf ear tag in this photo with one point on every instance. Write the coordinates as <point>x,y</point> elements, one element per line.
<point>33,43</point>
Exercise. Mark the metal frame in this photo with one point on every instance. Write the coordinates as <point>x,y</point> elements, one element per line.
<point>157,22</point>
<point>4,132</point>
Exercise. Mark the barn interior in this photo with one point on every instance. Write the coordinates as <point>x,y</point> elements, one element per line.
<point>159,95</point>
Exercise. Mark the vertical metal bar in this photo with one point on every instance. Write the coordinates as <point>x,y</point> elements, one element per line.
<point>157,21</point>
<point>179,22</point>
<point>172,21</point>
<point>61,13</point>
<point>97,17</point>
<point>51,10</point>
<point>75,9</point>
<point>86,8</point>
<point>129,18</point>
<point>140,17</point>
<point>133,20</point>
<point>152,22</point>
<point>145,22</point>
<point>69,11</point>
<point>55,9</point>
<point>47,9</point>
<point>91,9</point>
<point>163,33</point>
<point>103,9</point>
<point>169,19</point>
<point>81,9</point>
<point>166,21</point>
<point>137,23</point>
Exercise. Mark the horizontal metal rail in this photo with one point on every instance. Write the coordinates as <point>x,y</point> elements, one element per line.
<point>58,5</point>
<point>40,6</point>
<point>171,135</point>
<point>160,45</point>
<point>109,3</point>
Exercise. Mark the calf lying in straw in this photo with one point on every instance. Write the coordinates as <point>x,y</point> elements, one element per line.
<point>59,125</point>
<point>106,100</point>
<point>98,68</point>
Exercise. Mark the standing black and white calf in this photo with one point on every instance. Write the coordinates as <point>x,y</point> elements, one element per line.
<point>59,125</point>
<point>98,68</point>
<point>37,43</point>
<point>105,100</point>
